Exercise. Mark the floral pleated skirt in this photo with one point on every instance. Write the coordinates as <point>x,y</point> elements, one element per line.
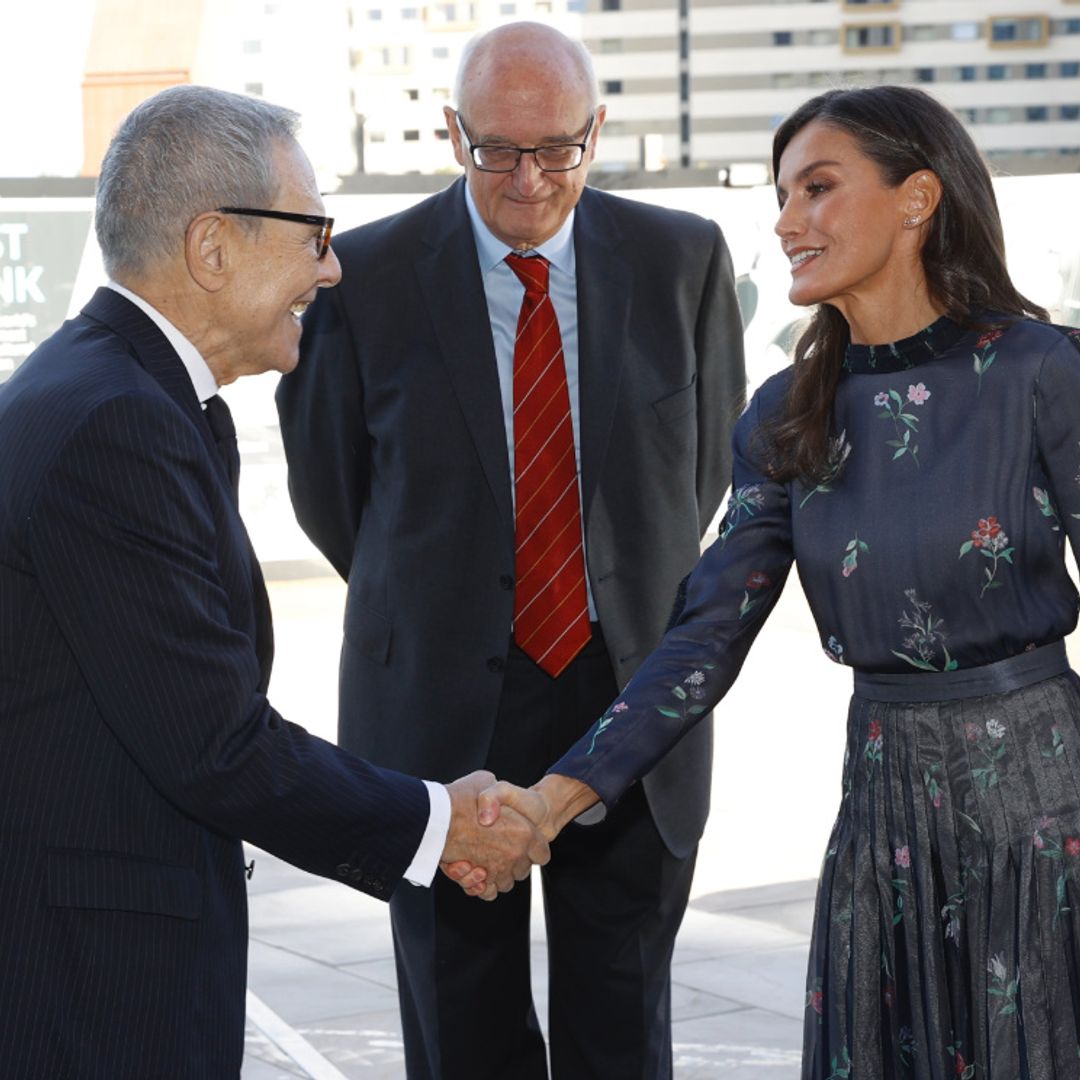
<point>946,935</point>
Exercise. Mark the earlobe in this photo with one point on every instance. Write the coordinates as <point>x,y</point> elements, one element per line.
<point>206,250</point>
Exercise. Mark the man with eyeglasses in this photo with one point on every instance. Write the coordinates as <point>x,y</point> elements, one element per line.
<point>509,429</point>
<point>137,745</point>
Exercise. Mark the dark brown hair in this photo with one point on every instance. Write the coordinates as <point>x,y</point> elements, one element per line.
<point>901,130</point>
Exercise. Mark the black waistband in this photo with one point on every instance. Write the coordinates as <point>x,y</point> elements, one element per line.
<point>1018,671</point>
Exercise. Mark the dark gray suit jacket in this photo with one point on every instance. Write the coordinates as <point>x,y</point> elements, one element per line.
<point>398,467</point>
<point>136,744</point>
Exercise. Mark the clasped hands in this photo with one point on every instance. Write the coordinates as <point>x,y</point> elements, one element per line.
<point>499,831</point>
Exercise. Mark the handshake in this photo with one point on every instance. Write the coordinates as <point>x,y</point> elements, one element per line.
<point>499,831</point>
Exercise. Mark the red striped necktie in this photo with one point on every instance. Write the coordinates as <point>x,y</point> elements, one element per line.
<point>551,611</point>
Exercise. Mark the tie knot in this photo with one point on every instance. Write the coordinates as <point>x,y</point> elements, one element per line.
<point>532,271</point>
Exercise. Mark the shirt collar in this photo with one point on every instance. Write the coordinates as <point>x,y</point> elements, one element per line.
<point>557,249</point>
<point>202,378</point>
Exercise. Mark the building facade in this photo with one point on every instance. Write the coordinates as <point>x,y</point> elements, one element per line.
<point>701,84</point>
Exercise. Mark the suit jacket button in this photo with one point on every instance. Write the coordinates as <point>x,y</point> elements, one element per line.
<point>495,663</point>
<point>506,581</point>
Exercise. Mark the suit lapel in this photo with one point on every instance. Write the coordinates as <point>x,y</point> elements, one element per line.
<point>604,287</point>
<point>158,358</point>
<point>155,355</point>
<point>449,275</point>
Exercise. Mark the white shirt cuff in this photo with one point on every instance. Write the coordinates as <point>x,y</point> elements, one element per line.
<point>425,862</point>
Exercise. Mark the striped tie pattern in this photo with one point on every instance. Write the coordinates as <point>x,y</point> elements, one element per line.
<point>551,612</point>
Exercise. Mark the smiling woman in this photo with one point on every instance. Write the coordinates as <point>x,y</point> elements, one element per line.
<point>895,462</point>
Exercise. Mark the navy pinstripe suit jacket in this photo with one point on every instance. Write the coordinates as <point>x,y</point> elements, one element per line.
<point>136,744</point>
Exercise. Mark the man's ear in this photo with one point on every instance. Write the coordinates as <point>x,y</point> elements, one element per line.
<point>460,150</point>
<point>206,250</point>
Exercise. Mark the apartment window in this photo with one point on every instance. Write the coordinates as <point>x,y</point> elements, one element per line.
<point>999,115</point>
<point>1070,26</point>
<point>969,116</point>
<point>1036,71</point>
<point>446,12</point>
<point>441,52</point>
<point>410,13</point>
<point>965,31</point>
<point>924,75</point>
<point>374,14</point>
<point>613,86</point>
<point>1008,30</point>
<point>411,135</point>
<point>575,5</point>
<point>441,134</point>
<point>542,7</point>
<point>440,93</point>
<point>781,37</point>
<point>611,45</point>
<point>876,36</point>
<point>508,9</point>
<point>922,33</point>
<point>967,73</point>
<point>252,47</point>
<point>413,95</point>
<point>821,37</point>
<point>610,5</point>
<point>1070,112</point>
<point>1070,69</point>
<point>1037,112</point>
<point>376,136</point>
<point>997,71</point>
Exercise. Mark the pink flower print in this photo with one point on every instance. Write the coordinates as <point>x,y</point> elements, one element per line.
<point>758,580</point>
<point>881,399</point>
<point>848,570</point>
<point>619,706</point>
<point>1045,821</point>
<point>989,337</point>
<point>1038,841</point>
<point>1072,846</point>
<point>917,394</point>
<point>888,995</point>
<point>960,1066</point>
<point>817,1001</point>
<point>973,732</point>
<point>874,731</point>
<point>903,857</point>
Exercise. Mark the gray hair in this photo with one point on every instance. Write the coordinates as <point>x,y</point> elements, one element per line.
<point>186,150</point>
<point>480,43</point>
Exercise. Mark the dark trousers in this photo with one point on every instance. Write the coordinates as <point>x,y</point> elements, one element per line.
<point>613,899</point>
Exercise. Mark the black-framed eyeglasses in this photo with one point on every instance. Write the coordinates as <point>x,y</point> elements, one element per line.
<point>554,157</point>
<point>325,224</point>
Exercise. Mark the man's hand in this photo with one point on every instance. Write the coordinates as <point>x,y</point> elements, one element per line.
<point>548,804</point>
<point>488,858</point>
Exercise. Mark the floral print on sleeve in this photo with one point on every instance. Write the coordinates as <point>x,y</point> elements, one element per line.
<point>743,503</point>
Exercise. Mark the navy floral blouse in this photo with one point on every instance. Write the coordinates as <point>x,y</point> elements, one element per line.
<point>937,544</point>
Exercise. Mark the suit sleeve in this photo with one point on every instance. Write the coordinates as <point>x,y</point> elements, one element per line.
<point>721,379</point>
<point>129,556</point>
<point>320,406</point>
<point>729,595</point>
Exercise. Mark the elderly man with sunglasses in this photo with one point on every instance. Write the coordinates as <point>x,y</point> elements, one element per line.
<point>137,745</point>
<point>509,429</point>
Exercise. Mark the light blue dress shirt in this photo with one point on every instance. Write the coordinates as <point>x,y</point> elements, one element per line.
<point>504,293</point>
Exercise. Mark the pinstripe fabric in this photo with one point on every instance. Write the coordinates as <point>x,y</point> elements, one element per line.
<point>136,745</point>
<point>551,611</point>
